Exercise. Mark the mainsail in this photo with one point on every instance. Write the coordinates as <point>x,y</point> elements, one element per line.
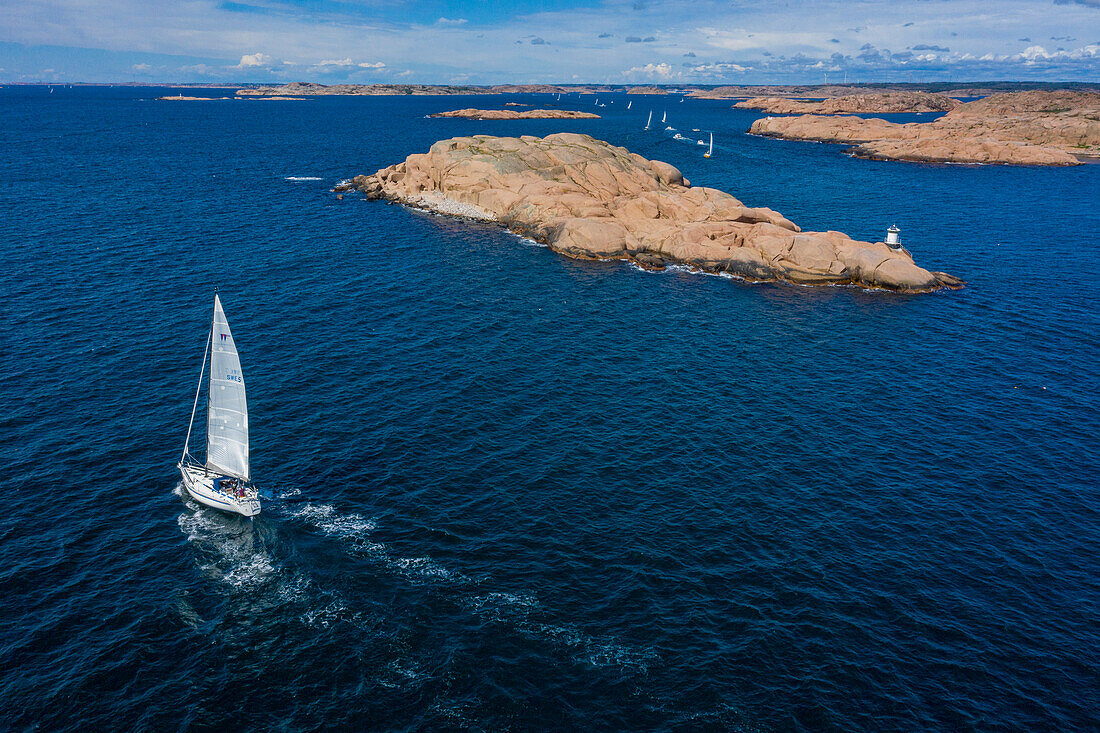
<point>227,411</point>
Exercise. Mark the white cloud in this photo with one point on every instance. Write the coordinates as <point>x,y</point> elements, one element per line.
<point>141,67</point>
<point>253,60</point>
<point>751,41</point>
<point>650,72</point>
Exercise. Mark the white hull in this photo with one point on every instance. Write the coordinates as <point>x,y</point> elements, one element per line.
<point>205,488</point>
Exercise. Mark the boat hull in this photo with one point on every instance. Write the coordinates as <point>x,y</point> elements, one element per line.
<point>203,487</point>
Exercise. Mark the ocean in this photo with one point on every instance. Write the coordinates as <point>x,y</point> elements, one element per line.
<point>506,490</point>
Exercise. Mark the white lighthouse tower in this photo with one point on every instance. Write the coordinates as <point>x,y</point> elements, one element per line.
<point>892,235</point>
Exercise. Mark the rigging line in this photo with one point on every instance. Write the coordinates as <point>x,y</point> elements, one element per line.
<point>194,407</point>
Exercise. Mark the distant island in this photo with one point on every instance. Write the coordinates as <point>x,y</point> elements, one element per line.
<point>588,199</point>
<point>1018,128</point>
<point>511,114</point>
<point>181,98</point>
<point>872,103</point>
<point>805,91</point>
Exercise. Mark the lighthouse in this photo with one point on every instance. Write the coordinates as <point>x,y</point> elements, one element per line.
<point>892,235</point>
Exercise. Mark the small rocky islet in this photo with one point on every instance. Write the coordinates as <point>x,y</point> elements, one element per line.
<point>589,199</point>
<point>1056,128</point>
<point>511,114</point>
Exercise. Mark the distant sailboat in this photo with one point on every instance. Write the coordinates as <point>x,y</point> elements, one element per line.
<point>224,481</point>
<point>597,101</point>
<point>711,148</point>
<point>629,103</point>
<point>650,120</point>
<point>664,115</point>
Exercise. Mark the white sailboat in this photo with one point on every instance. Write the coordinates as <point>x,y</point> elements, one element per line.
<point>711,148</point>
<point>629,103</point>
<point>664,115</point>
<point>650,120</point>
<point>224,481</point>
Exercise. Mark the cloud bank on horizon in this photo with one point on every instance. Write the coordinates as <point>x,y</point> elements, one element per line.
<point>533,41</point>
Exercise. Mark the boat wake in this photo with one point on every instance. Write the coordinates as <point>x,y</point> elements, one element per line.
<point>233,553</point>
<point>520,612</point>
<point>525,615</point>
<point>354,530</point>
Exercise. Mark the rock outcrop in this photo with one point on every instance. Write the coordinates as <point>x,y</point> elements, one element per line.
<point>646,90</point>
<point>1020,128</point>
<point>511,114</point>
<point>589,199</point>
<point>884,103</point>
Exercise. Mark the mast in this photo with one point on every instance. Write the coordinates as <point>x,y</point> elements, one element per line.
<point>198,389</point>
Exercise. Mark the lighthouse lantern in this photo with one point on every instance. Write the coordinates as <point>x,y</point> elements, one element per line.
<point>892,234</point>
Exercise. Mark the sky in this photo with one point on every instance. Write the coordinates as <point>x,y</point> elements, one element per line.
<point>546,41</point>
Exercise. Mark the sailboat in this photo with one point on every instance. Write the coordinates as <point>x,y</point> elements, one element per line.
<point>224,481</point>
<point>629,103</point>
<point>647,122</point>
<point>663,116</point>
<point>711,148</point>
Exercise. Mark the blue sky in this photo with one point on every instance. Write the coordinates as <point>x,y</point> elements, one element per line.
<point>568,41</point>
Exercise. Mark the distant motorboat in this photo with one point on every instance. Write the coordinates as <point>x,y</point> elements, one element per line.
<point>678,136</point>
<point>650,120</point>
<point>695,129</point>
<point>224,480</point>
<point>700,142</point>
<point>670,127</point>
<point>711,148</point>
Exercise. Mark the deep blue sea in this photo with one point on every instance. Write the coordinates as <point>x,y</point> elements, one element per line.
<point>511,491</point>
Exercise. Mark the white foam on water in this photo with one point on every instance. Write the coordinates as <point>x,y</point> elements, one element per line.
<point>402,673</point>
<point>520,610</point>
<point>528,242</point>
<point>303,178</point>
<point>354,528</point>
<point>234,557</point>
<point>425,568</point>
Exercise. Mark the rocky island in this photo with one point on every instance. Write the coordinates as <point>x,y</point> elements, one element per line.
<point>588,199</point>
<point>181,98</point>
<point>1019,128</point>
<point>874,103</point>
<point>511,114</point>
